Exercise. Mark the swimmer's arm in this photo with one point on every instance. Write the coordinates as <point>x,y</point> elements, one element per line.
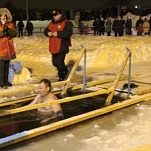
<point>56,107</point>
<point>35,101</point>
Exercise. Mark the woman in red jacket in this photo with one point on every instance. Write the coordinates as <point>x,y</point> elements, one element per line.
<point>7,50</point>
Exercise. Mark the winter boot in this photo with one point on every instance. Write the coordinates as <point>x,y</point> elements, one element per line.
<point>61,75</point>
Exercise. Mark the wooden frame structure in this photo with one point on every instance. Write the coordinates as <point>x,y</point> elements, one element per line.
<point>76,119</point>
<point>108,107</point>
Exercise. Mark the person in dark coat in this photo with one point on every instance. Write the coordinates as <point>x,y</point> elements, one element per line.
<point>102,26</point>
<point>96,26</point>
<point>108,26</point>
<point>123,25</point>
<point>138,22</point>
<point>59,32</point>
<point>117,27</point>
<point>29,28</point>
<point>128,26</point>
<point>7,49</point>
<point>20,26</point>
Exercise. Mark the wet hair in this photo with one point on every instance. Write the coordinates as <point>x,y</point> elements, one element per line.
<point>46,82</point>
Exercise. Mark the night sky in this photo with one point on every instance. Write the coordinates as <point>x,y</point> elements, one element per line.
<point>73,4</point>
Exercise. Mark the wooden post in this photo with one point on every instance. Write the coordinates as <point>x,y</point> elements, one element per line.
<point>110,96</point>
<point>63,93</point>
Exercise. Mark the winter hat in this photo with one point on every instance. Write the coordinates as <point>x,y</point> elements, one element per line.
<point>7,13</point>
<point>56,12</point>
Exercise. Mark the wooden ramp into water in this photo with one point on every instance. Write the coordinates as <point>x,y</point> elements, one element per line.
<point>66,86</point>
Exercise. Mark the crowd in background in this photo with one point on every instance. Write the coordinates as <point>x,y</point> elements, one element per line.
<point>100,26</point>
<point>112,11</point>
<point>102,22</point>
<point>120,26</point>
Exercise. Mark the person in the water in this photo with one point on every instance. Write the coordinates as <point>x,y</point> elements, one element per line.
<point>45,95</point>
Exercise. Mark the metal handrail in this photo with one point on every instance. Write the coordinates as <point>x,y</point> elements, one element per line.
<point>129,74</point>
<point>116,81</point>
<point>84,73</point>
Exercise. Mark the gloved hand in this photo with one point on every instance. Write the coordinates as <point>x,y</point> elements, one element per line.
<point>5,33</point>
<point>5,28</point>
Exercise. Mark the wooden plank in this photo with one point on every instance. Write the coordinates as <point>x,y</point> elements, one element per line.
<point>26,88</point>
<point>74,68</point>
<point>72,88</point>
<point>67,99</point>
<point>92,83</point>
<point>76,119</point>
<point>19,89</point>
<point>116,81</point>
<point>16,101</point>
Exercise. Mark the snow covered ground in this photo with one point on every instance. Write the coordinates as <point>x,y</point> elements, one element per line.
<point>119,131</point>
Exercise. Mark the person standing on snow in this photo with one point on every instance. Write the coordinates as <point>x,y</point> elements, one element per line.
<point>146,27</point>
<point>128,26</point>
<point>59,32</point>
<point>108,26</point>
<point>7,50</point>
<point>96,25</point>
<point>20,28</point>
<point>102,27</point>
<point>29,28</point>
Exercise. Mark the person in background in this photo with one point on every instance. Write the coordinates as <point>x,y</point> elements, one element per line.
<point>20,26</point>
<point>128,26</point>
<point>140,30</point>
<point>123,26</point>
<point>102,26</point>
<point>146,27</point>
<point>138,22</point>
<point>108,26</point>
<point>45,95</point>
<point>59,32</point>
<point>117,27</point>
<point>96,26</point>
<point>29,28</point>
<point>7,50</point>
<point>150,26</point>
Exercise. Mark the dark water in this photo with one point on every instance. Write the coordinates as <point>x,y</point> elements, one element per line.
<point>17,123</point>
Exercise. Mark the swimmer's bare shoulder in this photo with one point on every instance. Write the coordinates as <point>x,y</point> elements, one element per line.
<point>52,97</point>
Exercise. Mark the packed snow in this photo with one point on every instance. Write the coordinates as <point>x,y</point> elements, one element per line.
<point>122,130</point>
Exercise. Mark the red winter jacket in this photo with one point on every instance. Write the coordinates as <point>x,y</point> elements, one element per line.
<point>61,43</point>
<point>7,50</point>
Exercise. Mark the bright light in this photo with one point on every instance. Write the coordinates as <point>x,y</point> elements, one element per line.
<point>136,6</point>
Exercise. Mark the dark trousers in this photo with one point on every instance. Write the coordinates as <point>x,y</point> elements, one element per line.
<point>108,33</point>
<point>96,32</point>
<point>30,33</point>
<point>58,62</point>
<point>20,32</point>
<point>4,71</point>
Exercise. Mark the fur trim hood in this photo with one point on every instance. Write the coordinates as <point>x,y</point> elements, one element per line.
<point>7,12</point>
